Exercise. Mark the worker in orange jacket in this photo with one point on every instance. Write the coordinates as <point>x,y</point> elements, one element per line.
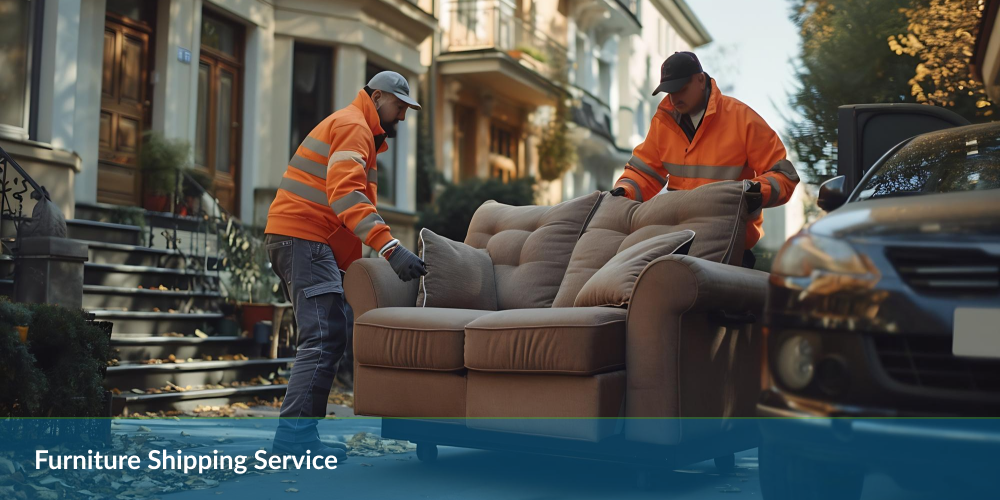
<point>699,136</point>
<point>323,211</point>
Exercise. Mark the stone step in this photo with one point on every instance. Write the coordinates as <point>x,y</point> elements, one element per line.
<point>134,255</point>
<point>130,376</point>
<point>158,323</point>
<point>144,348</point>
<point>144,299</point>
<point>104,232</point>
<point>127,276</point>
<point>126,404</point>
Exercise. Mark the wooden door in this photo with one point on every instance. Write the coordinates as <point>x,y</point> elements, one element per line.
<point>124,110</point>
<point>217,138</point>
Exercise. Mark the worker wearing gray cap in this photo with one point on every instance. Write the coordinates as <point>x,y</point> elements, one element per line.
<point>325,209</point>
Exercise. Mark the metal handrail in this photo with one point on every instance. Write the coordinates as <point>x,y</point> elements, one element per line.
<point>6,206</point>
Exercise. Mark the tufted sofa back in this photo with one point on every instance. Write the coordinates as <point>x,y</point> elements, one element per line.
<point>716,212</point>
<point>530,247</point>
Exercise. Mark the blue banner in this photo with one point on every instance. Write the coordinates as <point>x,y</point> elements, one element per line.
<point>775,458</point>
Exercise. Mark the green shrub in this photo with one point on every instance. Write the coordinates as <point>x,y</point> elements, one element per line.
<point>22,384</point>
<point>59,372</point>
<point>452,211</point>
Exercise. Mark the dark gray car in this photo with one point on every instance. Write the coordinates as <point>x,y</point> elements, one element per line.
<point>888,307</point>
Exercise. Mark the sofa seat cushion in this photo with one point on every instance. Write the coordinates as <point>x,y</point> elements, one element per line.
<point>573,341</point>
<point>418,338</point>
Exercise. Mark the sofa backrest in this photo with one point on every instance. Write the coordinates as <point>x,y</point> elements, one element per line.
<point>716,212</point>
<point>530,247</point>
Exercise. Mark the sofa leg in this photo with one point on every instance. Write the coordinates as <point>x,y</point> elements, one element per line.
<point>427,452</point>
<point>725,464</point>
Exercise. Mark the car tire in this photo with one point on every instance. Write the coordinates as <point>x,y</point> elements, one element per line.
<point>784,476</point>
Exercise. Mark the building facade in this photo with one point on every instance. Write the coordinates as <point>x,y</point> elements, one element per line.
<point>242,81</point>
<point>502,66</point>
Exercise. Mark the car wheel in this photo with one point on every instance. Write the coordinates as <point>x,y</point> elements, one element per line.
<point>784,476</point>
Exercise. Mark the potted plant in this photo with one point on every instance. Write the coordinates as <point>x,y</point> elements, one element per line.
<point>252,284</point>
<point>162,161</point>
<point>197,183</point>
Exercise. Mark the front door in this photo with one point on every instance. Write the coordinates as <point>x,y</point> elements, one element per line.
<point>217,141</point>
<point>124,109</point>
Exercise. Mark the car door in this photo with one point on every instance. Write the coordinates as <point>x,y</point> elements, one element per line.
<point>868,131</point>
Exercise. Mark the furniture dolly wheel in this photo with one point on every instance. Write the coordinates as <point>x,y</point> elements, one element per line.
<point>725,464</point>
<point>427,452</point>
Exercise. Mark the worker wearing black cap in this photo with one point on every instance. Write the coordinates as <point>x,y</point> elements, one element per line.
<point>699,136</point>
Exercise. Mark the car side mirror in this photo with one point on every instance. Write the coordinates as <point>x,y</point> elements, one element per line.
<point>831,194</point>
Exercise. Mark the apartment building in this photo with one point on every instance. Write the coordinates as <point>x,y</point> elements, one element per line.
<point>503,65</point>
<point>243,81</point>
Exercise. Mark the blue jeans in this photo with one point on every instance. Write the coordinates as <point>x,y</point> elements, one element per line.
<point>311,281</point>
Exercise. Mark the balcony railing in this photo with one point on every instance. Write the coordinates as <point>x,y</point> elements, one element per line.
<point>632,6</point>
<point>484,25</point>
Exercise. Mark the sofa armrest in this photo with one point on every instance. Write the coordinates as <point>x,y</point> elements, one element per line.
<point>371,283</point>
<point>692,348</point>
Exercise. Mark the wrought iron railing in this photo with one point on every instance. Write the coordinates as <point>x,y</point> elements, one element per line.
<point>494,24</point>
<point>14,183</point>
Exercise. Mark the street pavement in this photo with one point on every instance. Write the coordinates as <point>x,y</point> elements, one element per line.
<point>457,474</point>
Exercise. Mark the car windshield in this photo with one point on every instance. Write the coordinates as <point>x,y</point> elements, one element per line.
<point>941,162</point>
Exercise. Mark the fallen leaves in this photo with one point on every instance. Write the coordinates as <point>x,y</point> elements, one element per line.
<point>370,445</point>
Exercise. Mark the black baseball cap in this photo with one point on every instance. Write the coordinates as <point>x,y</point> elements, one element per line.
<point>676,71</point>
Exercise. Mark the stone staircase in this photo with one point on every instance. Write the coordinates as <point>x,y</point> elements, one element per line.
<point>157,285</point>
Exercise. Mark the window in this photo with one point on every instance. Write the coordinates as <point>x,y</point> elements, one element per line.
<point>943,162</point>
<point>18,41</point>
<point>664,36</point>
<point>312,90</point>
<point>387,162</point>
<point>604,75</point>
<point>503,152</point>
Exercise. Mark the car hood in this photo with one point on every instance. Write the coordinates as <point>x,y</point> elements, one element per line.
<point>966,213</point>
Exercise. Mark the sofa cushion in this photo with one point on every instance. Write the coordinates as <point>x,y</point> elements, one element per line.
<point>530,247</point>
<point>458,276</point>
<point>422,338</point>
<point>577,341</point>
<point>716,212</point>
<point>612,284</point>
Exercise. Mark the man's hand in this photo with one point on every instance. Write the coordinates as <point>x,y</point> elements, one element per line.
<point>406,265</point>
<point>618,191</point>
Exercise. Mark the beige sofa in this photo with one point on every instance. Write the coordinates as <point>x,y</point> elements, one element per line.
<point>685,345</point>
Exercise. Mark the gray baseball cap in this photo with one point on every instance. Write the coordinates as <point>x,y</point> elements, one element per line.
<point>394,83</point>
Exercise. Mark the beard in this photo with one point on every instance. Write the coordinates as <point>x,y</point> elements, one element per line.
<point>390,128</point>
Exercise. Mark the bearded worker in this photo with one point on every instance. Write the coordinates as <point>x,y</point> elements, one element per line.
<point>324,210</point>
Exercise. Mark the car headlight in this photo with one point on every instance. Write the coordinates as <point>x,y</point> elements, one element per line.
<point>796,362</point>
<point>805,254</point>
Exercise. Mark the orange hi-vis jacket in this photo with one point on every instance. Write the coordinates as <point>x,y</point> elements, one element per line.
<point>329,191</point>
<point>732,143</point>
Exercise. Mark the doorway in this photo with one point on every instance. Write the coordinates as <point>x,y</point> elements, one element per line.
<point>217,136</point>
<point>125,105</point>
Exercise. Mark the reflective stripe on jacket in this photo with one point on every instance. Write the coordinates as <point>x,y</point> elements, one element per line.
<point>732,143</point>
<point>329,190</point>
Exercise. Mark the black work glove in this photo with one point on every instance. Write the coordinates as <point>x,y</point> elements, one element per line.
<point>618,191</point>
<point>753,196</point>
<point>407,265</point>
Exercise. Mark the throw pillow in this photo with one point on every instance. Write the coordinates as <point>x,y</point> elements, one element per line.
<point>612,284</point>
<point>458,276</point>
